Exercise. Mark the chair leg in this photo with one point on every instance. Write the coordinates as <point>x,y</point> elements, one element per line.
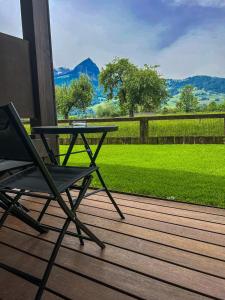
<point>44,210</point>
<point>9,209</point>
<point>71,204</point>
<point>71,213</point>
<point>80,234</point>
<point>21,214</point>
<point>92,236</point>
<point>85,185</point>
<point>52,259</point>
<point>17,203</point>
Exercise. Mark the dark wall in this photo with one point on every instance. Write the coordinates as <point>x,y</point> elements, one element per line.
<point>15,75</point>
<point>36,30</point>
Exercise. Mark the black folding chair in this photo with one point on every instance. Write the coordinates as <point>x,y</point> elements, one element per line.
<point>44,181</point>
<point>8,167</point>
<point>12,165</point>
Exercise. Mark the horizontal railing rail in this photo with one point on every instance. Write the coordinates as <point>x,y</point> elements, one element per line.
<point>145,122</point>
<point>150,118</point>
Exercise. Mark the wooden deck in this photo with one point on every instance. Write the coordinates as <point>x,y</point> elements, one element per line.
<point>163,250</point>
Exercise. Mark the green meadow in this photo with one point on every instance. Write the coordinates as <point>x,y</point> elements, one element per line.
<point>190,173</point>
<point>204,127</point>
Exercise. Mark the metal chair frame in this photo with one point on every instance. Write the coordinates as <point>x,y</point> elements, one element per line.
<point>9,203</point>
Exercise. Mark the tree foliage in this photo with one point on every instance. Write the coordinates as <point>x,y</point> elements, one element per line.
<point>133,86</point>
<point>108,109</point>
<point>146,88</point>
<point>77,95</point>
<point>64,100</point>
<point>82,92</point>
<point>187,102</point>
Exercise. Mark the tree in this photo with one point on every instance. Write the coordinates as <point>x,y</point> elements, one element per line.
<point>64,100</point>
<point>77,95</point>
<point>222,106</point>
<point>212,106</point>
<point>108,109</point>
<point>113,79</point>
<point>82,92</point>
<point>146,88</point>
<point>133,86</point>
<point>187,102</point>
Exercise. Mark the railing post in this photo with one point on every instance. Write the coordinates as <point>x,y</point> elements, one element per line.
<point>224,126</point>
<point>144,131</point>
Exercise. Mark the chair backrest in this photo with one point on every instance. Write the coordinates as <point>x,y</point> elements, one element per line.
<point>12,146</point>
<point>15,143</point>
<point>11,126</point>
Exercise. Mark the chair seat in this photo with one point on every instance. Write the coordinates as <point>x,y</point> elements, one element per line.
<point>32,179</point>
<point>9,165</point>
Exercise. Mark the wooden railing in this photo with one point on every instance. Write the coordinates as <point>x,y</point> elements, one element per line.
<point>145,125</point>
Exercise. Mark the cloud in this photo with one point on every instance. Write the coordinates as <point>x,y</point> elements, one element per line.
<point>203,3</point>
<point>182,41</point>
<point>101,33</point>
<point>110,30</point>
<point>10,19</point>
<point>199,52</point>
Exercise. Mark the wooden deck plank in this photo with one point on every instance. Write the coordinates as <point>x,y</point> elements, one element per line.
<point>195,223</point>
<point>159,252</point>
<point>139,263</point>
<point>143,233</point>
<point>175,229</point>
<point>155,208</point>
<point>13,287</point>
<point>162,270</point>
<point>34,266</point>
<point>98,269</point>
<point>182,221</point>
<point>183,258</point>
<point>100,210</point>
<point>168,203</point>
<point>20,289</point>
<point>80,288</point>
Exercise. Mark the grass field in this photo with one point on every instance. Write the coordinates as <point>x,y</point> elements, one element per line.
<point>205,127</point>
<point>191,173</point>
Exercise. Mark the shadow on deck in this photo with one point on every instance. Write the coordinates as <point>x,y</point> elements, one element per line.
<point>163,250</point>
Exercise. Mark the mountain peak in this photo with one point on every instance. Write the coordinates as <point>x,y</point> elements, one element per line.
<point>87,63</point>
<point>87,67</point>
<point>89,60</point>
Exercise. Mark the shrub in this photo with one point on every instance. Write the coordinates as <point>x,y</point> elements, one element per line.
<point>107,109</point>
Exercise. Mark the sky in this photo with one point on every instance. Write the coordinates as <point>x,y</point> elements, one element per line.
<point>184,37</point>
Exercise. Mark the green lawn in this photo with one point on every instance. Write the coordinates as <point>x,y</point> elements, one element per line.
<point>191,173</point>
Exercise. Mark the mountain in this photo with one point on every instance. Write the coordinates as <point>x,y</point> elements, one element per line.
<point>207,83</point>
<point>88,67</point>
<point>60,71</point>
<point>207,88</point>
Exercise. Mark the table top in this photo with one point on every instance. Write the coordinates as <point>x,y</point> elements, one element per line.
<point>72,129</point>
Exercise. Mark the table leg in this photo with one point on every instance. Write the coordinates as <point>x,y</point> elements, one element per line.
<point>93,158</point>
<point>49,150</point>
<point>70,149</point>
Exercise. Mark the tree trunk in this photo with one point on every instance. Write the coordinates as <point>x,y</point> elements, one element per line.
<point>131,112</point>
